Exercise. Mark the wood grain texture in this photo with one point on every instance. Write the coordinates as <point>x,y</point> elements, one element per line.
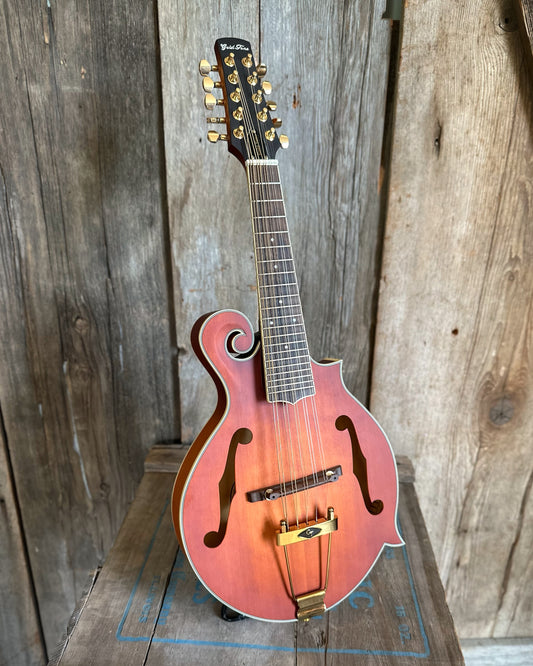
<point>330,174</point>
<point>100,634</point>
<point>209,214</point>
<point>85,351</point>
<point>21,641</point>
<point>452,378</point>
<point>147,606</point>
<point>524,10</point>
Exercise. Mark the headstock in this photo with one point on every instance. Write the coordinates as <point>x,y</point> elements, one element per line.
<point>250,131</point>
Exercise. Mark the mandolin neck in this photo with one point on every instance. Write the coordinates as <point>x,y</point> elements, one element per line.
<point>286,360</point>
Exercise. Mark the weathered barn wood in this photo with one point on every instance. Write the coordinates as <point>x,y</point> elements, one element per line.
<point>21,641</point>
<point>148,607</point>
<point>85,353</point>
<point>331,98</point>
<point>524,10</point>
<point>452,379</point>
<point>89,336</point>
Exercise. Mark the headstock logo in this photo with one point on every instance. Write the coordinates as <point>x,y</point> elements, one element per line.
<point>233,47</point>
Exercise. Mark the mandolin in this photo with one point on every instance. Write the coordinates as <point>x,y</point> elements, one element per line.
<point>288,495</point>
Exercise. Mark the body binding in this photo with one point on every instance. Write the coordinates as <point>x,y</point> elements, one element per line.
<point>249,443</point>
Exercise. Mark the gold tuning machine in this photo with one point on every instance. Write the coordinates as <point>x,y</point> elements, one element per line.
<point>213,136</point>
<point>208,84</point>
<point>213,121</point>
<point>272,106</point>
<point>261,70</point>
<point>211,101</point>
<point>205,68</point>
<point>276,122</point>
<point>284,141</point>
<point>267,87</point>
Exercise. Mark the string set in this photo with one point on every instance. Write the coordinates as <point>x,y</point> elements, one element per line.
<point>299,446</point>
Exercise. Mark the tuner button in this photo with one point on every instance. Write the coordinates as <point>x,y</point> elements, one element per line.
<point>215,120</point>
<point>272,106</point>
<point>208,84</point>
<point>261,70</point>
<point>267,87</point>
<point>205,68</point>
<point>213,136</point>
<point>284,140</point>
<point>276,122</point>
<point>210,101</point>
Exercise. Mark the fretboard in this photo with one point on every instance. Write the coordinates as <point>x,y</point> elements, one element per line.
<point>286,361</point>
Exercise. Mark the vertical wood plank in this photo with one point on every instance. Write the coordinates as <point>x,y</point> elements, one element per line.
<point>331,99</point>
<point>212,252</point>
<point>19,622</point>
<point>86,384</point>
<point>452,378</point>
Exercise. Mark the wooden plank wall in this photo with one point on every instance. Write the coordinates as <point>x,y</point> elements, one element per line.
<point>86,384</point>
<point>452,379</point>
<point>120,225</point>
<point>331,99</point>
<point>102,277</point>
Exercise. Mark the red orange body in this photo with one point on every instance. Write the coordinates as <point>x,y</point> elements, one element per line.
<point>250,444</point>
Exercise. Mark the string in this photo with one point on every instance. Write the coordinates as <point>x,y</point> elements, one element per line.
<point>256,147</point>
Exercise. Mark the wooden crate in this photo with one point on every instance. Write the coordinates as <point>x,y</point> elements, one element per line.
<point>146,606</point>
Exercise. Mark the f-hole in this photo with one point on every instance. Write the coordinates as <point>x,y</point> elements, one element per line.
<point>359,465</point>
<point>226,487</point>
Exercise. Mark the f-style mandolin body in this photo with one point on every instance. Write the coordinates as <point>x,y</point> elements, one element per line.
<point>289,494</point>
<point>231,540</point>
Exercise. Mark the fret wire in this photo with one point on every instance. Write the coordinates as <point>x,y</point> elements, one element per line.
<point>281,273</point>
<point>292,357</point>
<point>281,307</point>
<point>293,323</point>
<point>281,284</point>
<point>291,396</point>
<point>266,261</point>
<point>285,335</point>
<point>270,230</point>
<point>293,387</point>
<point>279,387</point>
<point>276,326</point>
<point>301,369</point>
<point>292,382</point>
<point>304,377</point>
<point>267,217</point>
<point>287,348</point>
<point>278,296</point>
<point>265,200</point>
<point>302,365</point>
<point>278,231</point>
